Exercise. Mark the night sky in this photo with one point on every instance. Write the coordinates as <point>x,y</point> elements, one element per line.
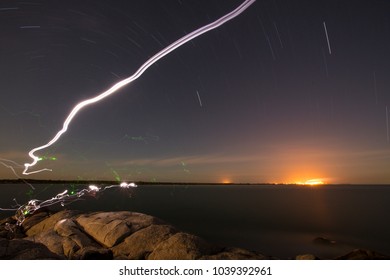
<point>264,98</point>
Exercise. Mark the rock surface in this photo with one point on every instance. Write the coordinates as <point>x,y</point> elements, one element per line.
<point>363,254</point>
<point>106,235</point>
<point>118,235</point>
<point>19,249</point>
<point>307,257</point>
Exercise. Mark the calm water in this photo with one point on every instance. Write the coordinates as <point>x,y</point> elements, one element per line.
<point>280,221</point>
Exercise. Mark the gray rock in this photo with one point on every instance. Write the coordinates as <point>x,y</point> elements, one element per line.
<point>123,235</point>
<point>120,235</point>
<point>69,229</point>
<point>64,239</point>
<point>182,246</point>
<point>111,228</point>
<point>47,223</point>
<point>141,243</point>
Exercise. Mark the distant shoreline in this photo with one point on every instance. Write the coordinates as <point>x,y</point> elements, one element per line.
<point>87,182</point>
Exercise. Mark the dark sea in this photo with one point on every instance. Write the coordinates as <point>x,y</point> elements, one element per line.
<point>279,221</point>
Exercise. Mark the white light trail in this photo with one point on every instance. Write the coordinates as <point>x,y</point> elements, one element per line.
<point>327,38</point>
<point>135,76</point>
<point>200,101</point>
<point>63,198</point>
<point>30,26</point>
<point>3,162</point>
<point>93,188</point>
<point>277,33</point>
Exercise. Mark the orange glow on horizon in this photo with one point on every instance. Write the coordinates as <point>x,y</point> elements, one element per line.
<point>311,182</point>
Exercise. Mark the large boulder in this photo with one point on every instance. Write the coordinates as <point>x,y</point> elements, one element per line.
<point>50,239</point>
<point>182,246</point>
<point>111,228</point>
<point>45,221</point>
<point>140,244</point>
<point>60,234</point>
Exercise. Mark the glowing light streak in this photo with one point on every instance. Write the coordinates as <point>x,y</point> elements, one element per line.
<point>125,185</point>
<point>9,166</point>
<point>30,27</point>
<point>200,101</point>
<point>270,47</point>
<point>63,198</point>
<point>9,9</point>
<point>327,38</point>
<point>277,33</point>
<point>2,162</point>
<point>93,188</point>
<point>130,79</point>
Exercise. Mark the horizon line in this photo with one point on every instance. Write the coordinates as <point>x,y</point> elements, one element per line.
<point>2,181</point>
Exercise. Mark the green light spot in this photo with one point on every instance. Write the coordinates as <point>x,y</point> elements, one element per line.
<point>25,212</point>
<point>47,158</point>
<point>116,175</point>
<point>30,193</point>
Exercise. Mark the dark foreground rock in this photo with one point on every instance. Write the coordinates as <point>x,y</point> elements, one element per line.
<point>363,254</point>
<point>19,249</point>
<point>106,235</point>
<point>119,235</point>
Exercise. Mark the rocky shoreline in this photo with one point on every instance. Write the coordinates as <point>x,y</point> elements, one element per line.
<point>119,235</point>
